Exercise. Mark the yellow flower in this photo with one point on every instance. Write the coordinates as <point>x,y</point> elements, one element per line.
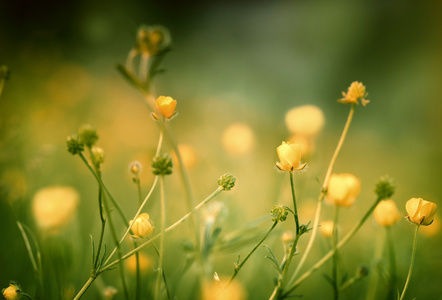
<point>141,227</point>
<point>433,229</point>
<point>386,213</point>
<point>306,120</point>
<point>238,138</point>
<point>145,262</point>
<point>355,91</point>
<point>53,207</point>
<point>188,156</point>
<point>12,292</point>
<point>326,228</point>
<point>166,106</point>
<point>220,290</point>
<point>420,211</point>
<point>289,157</point>
<point>343,189</point>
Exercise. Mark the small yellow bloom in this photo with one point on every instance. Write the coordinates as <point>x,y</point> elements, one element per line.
<point>220,290</point>
<point>166,106</point>
<point>355,91</point>
<point>343,189</point>
<point>141,227</point>
<point>420,211</point>
<point>145,262</point>
<point>289,157</point>
<point>12,292</point>
<point>306,120</point>
<point>53,207</point>
<point>238,138</point>
<point>326,228</point>
<point>386,213</point>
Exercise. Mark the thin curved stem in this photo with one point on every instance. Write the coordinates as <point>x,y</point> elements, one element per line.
<point>322,195</point>
<point>413,255</point>
<point>161,252</point>
<point>335,254</point>
<point>295,208</point>
<point>392,258</point>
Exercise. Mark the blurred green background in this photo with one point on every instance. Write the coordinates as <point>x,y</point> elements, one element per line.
<point>232,61</point>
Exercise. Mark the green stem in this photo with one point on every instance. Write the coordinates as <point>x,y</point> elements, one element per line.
<point>322,195</point>
<point>163,226</point>
<point>85,287</point>
<point>241,264</point>
<point>335,254</point>
<point>103,225</point>
<point>392,258</point>
<point>330,254</point>
<point>292,185</point>
<point>168,229</point>
<point>374,273</point>
<point>413,255</point>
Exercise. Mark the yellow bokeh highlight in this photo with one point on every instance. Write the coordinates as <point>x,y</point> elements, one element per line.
<point>238,138</point>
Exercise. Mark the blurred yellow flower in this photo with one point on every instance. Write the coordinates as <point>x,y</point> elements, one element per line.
<point>109,292</point>
<point>188,156</point>
<point>326,228</point>
<point>12,292</point>
<point>306,120</point>
<point>219,290</point>
<point>386,213</point>
<point>343,189</point>
<point>146,263</point>
<point>238,138</point>
<point>355,91</point>
<point>166,105</point>
<point>289,157</point>
<point>307,144</point>
<point>53,207</point>
<point>141,227</point>
<point>420,211</point>
<point>287,237</point>
<point>433,229</point>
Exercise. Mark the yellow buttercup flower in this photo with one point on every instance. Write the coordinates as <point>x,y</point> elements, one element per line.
<point>355,91</point>
<point>220,290</point>
<point>289,157</point>
<point>386,213</point>
<point>238,138</point>
<point>326,228</point>
<point>420,211</point>
<point>306,120</point>
<point>141,227</point>
<point>166,106</point>
<point>12,292</point>
<point>53,207</point>
<point>343,189</point>
<point>145,262</point>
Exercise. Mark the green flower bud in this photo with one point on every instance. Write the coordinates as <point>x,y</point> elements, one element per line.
<point>4,72</point>
<point>279,213</point>
<point>385,187</point>
<point>162,165</point>
<point>88,135</point>
<point>362,271</point>
<point>97,155</point>
<point>152,39</point>
<point>74,145</point>
<point>227,181</point>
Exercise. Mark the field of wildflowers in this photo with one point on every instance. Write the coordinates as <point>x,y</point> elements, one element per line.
<point>171,186</point>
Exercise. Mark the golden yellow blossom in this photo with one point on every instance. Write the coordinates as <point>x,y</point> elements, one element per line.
<point>326,228</point>
<point>145,262</point>
<point>238,138</point>
<point>289,157</point>
<point>386,213</point>
<point>53,207</point>
<point>12,292</point>
<point>220,290</point>
<point>166,106</point>
<point>141,227</point>
<point>343,189</point>
<point>355,91</point>
<point>306,120</point>
<point>420,211</point>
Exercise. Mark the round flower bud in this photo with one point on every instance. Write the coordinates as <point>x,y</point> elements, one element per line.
<point>73,144</point>
<point>227,182</point>
<point>362,271</point>
<point>355,91</point>
<point>279,213</point>
<point>162,165</point>
<point>343,189</point>
<point>385,187</point>
<point>238,138</point>
<point>12,292</point>
<point>97,155</point>
<point>54,207</point>
<point>289,157</point>
<point>141,227</point>
<point>420,211</point>
<point>287,237</point>
<point>152,39</point>
<point>386,213</point>
<point>306,120</point>
<point>87,135</point>
<point>166,105</point>
<point>326,228</point>
<point>135,168</point>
